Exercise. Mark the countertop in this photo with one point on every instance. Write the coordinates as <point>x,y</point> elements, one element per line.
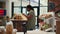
<point>36,32</point>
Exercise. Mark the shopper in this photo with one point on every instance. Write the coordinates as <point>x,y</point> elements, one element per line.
<point>31,18</point>
<point>9,26</point>
<point>8,20</point>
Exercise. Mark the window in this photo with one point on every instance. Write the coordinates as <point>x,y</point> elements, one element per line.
<point>34,2</point>
<point>43,6</point>
<point>24,11</point>
<point>25,3</point>
<point>17,7</point>
<point>17,10</point>
<point>43,2</point>
<point>17,3</point>
<point>43,10</point>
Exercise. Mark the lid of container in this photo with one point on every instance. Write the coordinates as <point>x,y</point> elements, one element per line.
<point>14,30</point>
<point>2,27</point>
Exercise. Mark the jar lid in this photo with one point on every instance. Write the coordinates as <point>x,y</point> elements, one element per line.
<point>2,27</point>
<point>14,30</point>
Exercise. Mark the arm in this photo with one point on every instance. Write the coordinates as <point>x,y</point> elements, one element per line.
<point>29,16</point>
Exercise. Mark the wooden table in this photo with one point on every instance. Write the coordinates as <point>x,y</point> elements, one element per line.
<point>20,25</point>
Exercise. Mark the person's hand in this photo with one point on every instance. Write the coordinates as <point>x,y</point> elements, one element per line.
<point>24,15</point>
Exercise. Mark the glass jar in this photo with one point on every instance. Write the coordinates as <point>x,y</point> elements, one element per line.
<point>9,28</point>
<point>14,31</point>
<point>2,30</point>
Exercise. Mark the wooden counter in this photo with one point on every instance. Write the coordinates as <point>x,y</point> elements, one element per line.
<point>57,27</point>
<point>20,25</point>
